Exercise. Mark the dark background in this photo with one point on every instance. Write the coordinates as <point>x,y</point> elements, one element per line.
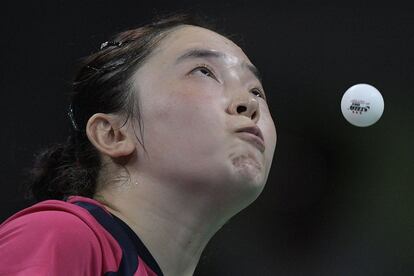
<point>339,198</point>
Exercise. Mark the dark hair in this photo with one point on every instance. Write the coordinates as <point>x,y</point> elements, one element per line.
<point>102,84</point>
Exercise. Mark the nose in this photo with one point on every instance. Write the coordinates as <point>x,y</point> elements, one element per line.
<point>246,106</point>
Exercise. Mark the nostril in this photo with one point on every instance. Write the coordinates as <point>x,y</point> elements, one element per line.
<point>241,109</point>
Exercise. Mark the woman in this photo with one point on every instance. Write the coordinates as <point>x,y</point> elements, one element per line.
<point>113,203</point>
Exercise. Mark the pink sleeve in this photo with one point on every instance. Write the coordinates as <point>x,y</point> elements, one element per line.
<point>49,243</point>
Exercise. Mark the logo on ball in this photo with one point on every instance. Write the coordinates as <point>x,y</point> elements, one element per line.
<point>359,106</point>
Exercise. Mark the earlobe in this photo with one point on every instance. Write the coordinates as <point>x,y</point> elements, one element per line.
<point>104,131</point>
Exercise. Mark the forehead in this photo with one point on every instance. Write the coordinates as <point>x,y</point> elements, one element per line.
<point>192,37</point>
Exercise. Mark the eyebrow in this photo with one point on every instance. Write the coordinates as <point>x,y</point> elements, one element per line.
<point>204,53</point>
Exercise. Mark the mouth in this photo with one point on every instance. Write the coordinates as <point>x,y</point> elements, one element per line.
<point>253,139</point>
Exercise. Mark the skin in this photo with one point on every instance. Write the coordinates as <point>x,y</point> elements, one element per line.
<point>199,172</point>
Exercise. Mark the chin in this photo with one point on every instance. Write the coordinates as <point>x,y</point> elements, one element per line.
<point>248,172</point>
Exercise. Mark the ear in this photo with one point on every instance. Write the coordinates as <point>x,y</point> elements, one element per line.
<point>106,134</point>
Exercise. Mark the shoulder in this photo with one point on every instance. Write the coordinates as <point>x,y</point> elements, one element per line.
<point>52,224</point>
<point>50,218</point>
<point>52,233</point>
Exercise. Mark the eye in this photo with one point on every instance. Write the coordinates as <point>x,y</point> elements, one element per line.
<point>205,70</point>
<point>259,92</point>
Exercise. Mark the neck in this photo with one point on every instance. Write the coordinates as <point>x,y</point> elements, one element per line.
<point>173,226</point>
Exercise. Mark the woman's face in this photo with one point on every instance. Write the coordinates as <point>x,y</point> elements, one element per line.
<point>196,91</point>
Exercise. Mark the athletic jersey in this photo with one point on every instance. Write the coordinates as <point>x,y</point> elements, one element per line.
<point>75,236</point>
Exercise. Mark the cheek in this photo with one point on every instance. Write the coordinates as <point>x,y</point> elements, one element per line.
<point>268,122</point>
<point>268,127</point>
<point>186,118</point>
<point>195,103</point>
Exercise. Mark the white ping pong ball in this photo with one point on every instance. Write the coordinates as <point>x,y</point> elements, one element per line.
<point>362,105</point>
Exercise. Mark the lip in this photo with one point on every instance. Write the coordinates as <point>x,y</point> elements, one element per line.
<point>254,130</point>
<point>253,139</point>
